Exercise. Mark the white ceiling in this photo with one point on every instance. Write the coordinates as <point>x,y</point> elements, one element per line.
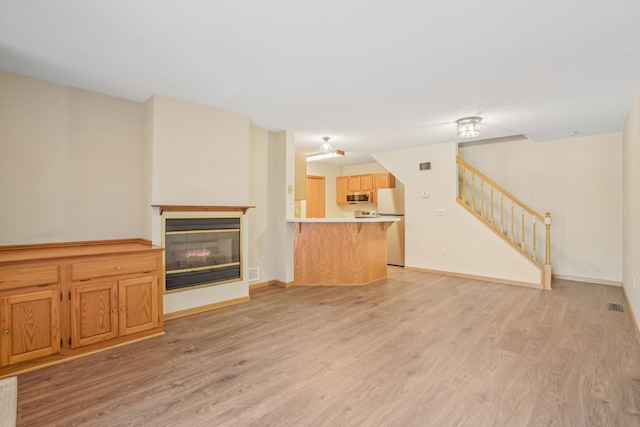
<point>373,75</point>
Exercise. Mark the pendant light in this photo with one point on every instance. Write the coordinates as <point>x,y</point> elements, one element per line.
<point>326,151</point>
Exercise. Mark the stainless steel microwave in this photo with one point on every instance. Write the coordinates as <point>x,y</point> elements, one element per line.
<point>358,197</point>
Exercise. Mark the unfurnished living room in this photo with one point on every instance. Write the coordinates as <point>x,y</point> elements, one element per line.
<point>336,213</point>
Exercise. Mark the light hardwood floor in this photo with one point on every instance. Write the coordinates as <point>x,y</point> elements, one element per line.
<point>416,349</point>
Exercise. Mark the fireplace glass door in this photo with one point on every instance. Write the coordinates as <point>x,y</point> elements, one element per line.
<point>202,251</point>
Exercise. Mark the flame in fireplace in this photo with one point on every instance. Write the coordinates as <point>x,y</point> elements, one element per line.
<point>196,253</point>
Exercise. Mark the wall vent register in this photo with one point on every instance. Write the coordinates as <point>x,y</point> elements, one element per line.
<point>202,251</point>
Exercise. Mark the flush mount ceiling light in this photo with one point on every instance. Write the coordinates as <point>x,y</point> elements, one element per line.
<point>468,127</point>
<point>326,151</point>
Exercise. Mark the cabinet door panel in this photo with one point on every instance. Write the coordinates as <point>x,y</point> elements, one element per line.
<point>382,180</point>
<point>341,190</point>
<point>366,182</point>
<point>94,313</point>
<point>138,299</point>
<point>30,326</point>
<point>353,183</point>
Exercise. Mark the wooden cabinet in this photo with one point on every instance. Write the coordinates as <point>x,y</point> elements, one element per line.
<point>353,183</point>
<point>366,183</point>
<point>361,184</point>
<point>94,313</point>
<point>30,325</point>
<point>382,180</point>
<point>138,304</point>
<point>341,190</point>
<point>67,299</point>
<point>106,310</point>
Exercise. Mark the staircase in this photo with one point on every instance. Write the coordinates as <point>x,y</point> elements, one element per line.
<point>524,229</point>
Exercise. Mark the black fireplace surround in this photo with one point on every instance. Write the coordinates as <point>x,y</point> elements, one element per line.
<point>202,251</point>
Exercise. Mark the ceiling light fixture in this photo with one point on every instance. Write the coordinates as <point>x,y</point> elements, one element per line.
<point>326,152</point>
<point>468,127</point>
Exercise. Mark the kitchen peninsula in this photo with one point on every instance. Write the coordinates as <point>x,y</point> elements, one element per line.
<point>340,251</point>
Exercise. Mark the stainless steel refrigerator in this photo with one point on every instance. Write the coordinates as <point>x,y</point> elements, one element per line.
<point>391,203</point>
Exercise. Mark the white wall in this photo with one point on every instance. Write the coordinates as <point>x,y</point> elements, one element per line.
<point>631,223</point>
<point>578,180</point>
<point>70,163</point>
<point>471,248</point>
<point>363,168</point>
<point>281,194</point>
<point>200,154</point>
<point>260,234</point>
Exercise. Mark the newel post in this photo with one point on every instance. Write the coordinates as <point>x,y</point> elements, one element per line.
<point>547,262</point>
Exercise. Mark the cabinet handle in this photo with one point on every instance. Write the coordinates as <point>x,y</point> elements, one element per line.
<point>123,308</point>
<point>115,310</point>
<point>118,267</point>
<point>5,332</point>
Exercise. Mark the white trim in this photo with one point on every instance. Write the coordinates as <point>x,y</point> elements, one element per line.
<point>588,280</point>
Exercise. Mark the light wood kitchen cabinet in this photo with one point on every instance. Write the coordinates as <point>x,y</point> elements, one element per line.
<point>30,325</point>
<point>366,183</point>
<point>382,180</point>
<point>63,300</point>
<point>361,184</point>
<point>341,190</point>
<point>353,183</point>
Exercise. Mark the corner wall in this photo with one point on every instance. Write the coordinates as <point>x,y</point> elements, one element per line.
<point>470,247</point>
<point>631,222</point>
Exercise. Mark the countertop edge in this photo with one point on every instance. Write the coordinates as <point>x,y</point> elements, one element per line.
<point>330,220</point>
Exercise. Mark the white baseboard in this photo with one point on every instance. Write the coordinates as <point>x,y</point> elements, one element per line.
<point>588,280</point>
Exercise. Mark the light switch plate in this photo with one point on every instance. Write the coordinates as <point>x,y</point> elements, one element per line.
<point>441,211</point>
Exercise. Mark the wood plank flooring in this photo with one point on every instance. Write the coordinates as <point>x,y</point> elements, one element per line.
<point>416,349</point>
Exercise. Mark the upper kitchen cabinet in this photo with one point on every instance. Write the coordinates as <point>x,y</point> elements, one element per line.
<point>364,183</point>
<point>359,183</point>
<point>382,180</point>
<point>342,183</point>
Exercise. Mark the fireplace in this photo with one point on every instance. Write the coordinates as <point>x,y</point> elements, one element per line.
<point>201,251</point>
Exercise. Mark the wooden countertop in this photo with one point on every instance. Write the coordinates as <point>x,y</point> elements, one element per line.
<point>50,251</point>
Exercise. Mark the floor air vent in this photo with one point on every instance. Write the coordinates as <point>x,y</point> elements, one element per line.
<point>615,307</point>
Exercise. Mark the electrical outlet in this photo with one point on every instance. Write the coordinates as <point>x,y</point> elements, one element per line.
<point>261,260</point>
<point>441,212</point>
<point>443,252</point>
